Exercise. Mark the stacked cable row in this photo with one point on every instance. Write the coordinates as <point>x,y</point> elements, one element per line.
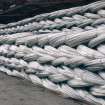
<point>72,69</point>
<point>91,38</point>
<point>90,15</point>
<point>41,67</point>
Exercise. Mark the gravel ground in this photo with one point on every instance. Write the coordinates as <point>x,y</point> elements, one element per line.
<point>15,91</point>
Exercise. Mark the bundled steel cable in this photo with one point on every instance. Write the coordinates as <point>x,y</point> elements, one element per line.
<point>69,59</point>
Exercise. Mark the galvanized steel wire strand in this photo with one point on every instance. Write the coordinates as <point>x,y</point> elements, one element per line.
<point>68,58</point>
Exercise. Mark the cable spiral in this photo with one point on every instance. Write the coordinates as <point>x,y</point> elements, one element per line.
<point>68,58</point>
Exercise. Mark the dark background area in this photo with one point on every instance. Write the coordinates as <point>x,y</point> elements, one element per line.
<point>14,10</point>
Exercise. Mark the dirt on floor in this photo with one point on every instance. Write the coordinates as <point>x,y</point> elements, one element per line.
<point>15,91</point>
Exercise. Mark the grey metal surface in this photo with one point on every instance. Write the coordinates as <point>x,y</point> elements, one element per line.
<point>15,91</point>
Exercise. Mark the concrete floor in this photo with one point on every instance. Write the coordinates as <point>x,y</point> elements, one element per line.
<point>15,91</point>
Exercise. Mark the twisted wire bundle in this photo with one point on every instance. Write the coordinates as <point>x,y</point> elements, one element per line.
<point>69,59</point>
